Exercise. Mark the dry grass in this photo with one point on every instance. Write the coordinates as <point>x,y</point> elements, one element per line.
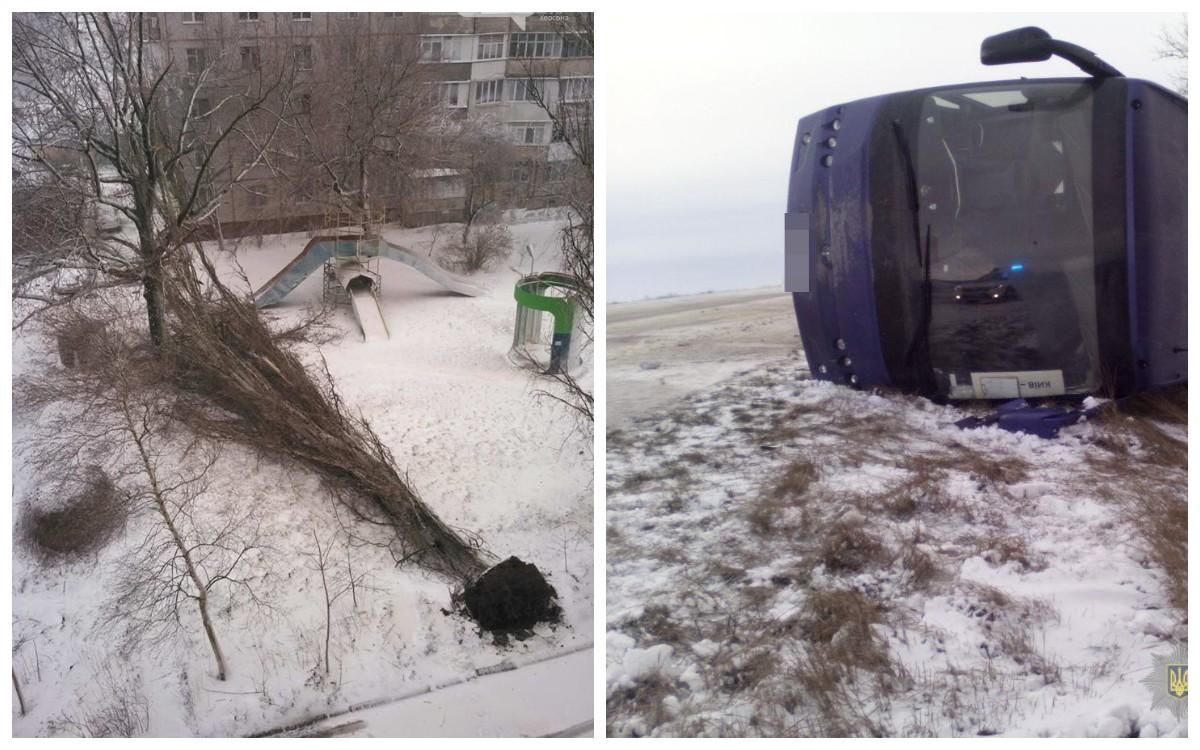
<point>847,547</point>
<point>1120,435</point>
<point>643,699</point>
<point>1003,549</point>
<point>790,491</point>
<point>1162,521</point>
<point>921,566</point>
<point>82,525</point>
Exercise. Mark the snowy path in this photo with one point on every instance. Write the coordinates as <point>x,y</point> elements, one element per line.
<point>525,700</point>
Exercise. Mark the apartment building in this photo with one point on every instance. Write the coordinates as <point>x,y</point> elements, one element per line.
<point>503,70</point>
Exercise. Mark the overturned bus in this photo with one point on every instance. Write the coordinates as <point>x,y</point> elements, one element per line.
<point>1002,240</point>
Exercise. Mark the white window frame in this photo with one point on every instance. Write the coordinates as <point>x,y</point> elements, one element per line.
<point>248,17</point>
<point>534,45</point>
<point>501,44</point>
<point>152,27</point>
<point>494,88</point>
<point>302,16</point>
<point>194,17</point>
<point>521,131</point>
<point>517,89</point>
<point>461,94</point>
<point>578,42</point>
<point>567,95</point>
<point>200,57</point>
<point>449,48</point>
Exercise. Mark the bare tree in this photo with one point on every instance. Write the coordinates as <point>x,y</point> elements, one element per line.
<point>1173,45</point>
<point>107,124</point>
<point>483,155</point>
<point>116,414</point>
<point>335,583</point>
<point>357,135</point>
<point>572,183</point>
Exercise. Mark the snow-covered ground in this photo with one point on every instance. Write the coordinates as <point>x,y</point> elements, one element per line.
<point>789,557</point>
<point>483,449</point>
<point>661,350</point>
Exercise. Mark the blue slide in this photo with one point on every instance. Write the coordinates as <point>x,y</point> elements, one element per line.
<point>320,249</point>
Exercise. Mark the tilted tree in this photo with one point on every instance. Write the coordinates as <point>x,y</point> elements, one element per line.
<point>139,146</point>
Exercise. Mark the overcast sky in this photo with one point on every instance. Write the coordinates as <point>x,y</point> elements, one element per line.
<point>702,112</point>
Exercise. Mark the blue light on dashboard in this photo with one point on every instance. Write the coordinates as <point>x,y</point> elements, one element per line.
<point>1017,267</point>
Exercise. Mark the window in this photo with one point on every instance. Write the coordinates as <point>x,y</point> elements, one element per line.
<point>576,89</point>
<point>302,16</point>
<point>151,27</point>
<point>525,89</point>
<point>491,47</point>
<point>443,48</point>
<point>393,15</point>
<point>575,45</point>
<point>196,61</point>
<point>303,104</point>
<point>453,94</point>
<point>535,44</point>
<point>193,18</point>
<point>302,54</point>
<point>528,133</point>
<point>259,198</point>
<point>487,92</point>
<point>201,107</point>
<point>251,59</point>
<point>247,17</point>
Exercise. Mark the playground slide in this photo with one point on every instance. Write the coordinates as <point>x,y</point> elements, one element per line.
<point>320,249</point>
<point>367,313</point>
<point>450,281</point>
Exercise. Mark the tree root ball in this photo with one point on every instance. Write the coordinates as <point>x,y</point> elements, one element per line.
<point>511,597</point>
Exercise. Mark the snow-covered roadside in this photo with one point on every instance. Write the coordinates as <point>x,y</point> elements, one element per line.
<point>485,452</point>
<point>785,556</point>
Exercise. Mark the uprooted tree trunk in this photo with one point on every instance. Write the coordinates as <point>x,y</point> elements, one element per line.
<point>227,357</point>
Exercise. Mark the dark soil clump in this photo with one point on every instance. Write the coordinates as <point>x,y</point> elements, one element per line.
<point>511,597</point>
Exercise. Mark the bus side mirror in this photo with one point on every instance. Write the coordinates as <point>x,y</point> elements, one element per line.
<point>1031,44</point>
<point>1028,44</point>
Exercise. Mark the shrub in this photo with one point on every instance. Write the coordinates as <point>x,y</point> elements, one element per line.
<point>483,247</point>
<point>84,524</point>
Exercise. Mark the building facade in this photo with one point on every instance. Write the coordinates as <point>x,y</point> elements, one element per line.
<point>509,72</point>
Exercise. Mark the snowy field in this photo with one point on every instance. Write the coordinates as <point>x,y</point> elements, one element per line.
<point>789,557</point>
<point>483,449</point>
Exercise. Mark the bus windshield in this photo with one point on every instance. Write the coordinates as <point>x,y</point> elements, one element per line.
<point>1004,252</point>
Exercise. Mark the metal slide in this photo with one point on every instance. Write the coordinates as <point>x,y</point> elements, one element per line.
<point>364,301</point>
<point>320,249</point>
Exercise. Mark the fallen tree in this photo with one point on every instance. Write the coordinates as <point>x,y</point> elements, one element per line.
<point>238,383</point>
